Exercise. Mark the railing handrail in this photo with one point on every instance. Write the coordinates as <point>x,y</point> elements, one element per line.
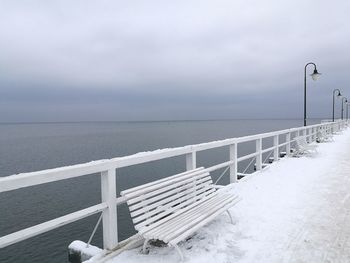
<point>107,169</point>
<point>13,182</point>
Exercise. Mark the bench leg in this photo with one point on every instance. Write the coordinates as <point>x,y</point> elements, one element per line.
<point>179,251</point>
<point>144,247</point>
<point>229,214</point>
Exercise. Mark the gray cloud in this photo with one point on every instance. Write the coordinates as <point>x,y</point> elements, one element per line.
<point>107,60</point>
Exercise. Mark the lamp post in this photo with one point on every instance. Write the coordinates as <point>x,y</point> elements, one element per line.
<point>342,106</point>
<point>347,110</point>
<point>315,75</point>
<point>339,95</point>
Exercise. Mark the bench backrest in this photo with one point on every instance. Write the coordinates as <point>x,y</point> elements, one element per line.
<point>154,201</point>
<point>301,141</point>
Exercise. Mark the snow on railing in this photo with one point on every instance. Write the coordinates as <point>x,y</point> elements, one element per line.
<point>107,170</point>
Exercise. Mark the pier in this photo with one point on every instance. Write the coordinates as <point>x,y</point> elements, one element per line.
<point>290,206</point>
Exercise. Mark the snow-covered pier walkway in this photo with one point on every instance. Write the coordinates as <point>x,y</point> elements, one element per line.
<point>297,210</point>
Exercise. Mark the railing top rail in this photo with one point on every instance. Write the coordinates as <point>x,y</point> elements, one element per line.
<point>16,181</point>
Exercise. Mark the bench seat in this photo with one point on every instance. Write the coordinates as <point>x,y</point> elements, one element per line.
<point>324,136</point>
<point>302,147</point>
<point>174,208</point>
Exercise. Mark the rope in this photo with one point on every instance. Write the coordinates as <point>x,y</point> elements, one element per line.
<point>217,180</point>
<point>267,157</point>
<point>94,231</point>
<point>251,161</point>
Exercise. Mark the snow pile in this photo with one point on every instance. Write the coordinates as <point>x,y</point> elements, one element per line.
<point>295,211</point>
<point>83,250</point>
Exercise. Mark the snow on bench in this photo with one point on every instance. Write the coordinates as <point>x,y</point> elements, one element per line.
<point>323,136</point>
<point>302,147</point>
<point>172,209</point>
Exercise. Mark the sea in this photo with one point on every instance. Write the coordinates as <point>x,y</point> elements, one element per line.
<point>28,147</point>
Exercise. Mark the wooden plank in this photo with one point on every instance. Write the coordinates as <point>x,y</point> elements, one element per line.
<point>201,224</point>
<point>245,157</point>
<point>50,225</point>
<point>163,183</point>
<point>219,166</point>
<point>18,181</point>
<point>155,190</point>
<point>163,208</point>
<point>185,219</point>
<point>176,194</point>
<point>268,149</point>
<point>157,197</point>
<point>182,218</point>
<point>171,210</point>
<point>127,191</point>
<point>109,215</point>
<point>234,164</point>
<point>191,161</point>
<point>141,227</point>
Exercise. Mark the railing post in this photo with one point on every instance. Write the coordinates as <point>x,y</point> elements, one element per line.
<point>304,134</point>
<point>258,147</point>
<point>276,149</point>
<point>310,135</point>
<point>191,161</point>
<point>288,144</point>
<point>109,215</point>
<point>233,167</point>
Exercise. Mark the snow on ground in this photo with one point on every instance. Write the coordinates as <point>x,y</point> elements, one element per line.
<point>86,251</point>
<point>297,210</point>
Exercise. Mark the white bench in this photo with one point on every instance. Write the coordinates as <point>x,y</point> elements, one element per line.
<point>302,147</point>
<point>323,136</point>
<point>173,208</point>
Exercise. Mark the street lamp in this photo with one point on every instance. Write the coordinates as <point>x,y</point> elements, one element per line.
<point>339,95</point>
<point>347,110</point>
<point>342,106</point>
<point>315,75</point>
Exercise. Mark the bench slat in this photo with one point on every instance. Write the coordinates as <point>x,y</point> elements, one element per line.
<point>182,216</point>
<point>194,220</point>
<point>205,221</point>
<point>172,200</point>
<point>161,184</point>
<point>186,218</point>
<point>137,188</point>
<point>171,210</point>
<point>162,196</point>
<point>142,229</point>
<point>156,190</point>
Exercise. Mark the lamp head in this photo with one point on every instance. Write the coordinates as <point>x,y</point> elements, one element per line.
<point>315,75</point>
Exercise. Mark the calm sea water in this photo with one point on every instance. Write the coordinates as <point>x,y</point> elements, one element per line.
<point>32,147</point>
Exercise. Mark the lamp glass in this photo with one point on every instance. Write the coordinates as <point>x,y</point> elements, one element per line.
<point>315,75</point>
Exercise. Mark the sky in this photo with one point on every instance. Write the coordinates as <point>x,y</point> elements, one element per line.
<point>132,60</point>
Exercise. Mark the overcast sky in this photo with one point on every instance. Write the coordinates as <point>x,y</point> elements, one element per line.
<point>160,60</point>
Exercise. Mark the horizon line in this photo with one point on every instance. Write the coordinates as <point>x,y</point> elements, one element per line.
<point>132,121</point>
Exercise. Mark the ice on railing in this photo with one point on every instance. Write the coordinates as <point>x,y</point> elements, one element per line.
<point>80,249</point>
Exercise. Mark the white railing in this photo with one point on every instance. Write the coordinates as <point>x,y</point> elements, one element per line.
<point>107,170</point>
